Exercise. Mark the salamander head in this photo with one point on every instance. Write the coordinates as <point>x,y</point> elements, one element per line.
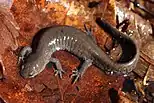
<point>30,69</point>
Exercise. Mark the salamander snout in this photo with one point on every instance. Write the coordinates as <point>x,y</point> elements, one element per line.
<point>27,71</point>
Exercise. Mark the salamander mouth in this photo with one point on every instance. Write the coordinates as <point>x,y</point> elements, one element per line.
<point>31,74</point>
<point>25,73</point>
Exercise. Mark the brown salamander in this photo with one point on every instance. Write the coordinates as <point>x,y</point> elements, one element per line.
<point>82,45</point>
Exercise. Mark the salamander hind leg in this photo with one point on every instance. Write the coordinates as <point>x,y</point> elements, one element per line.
<point>58,68</point>
<point>89,33</point>
<point>80,71</point>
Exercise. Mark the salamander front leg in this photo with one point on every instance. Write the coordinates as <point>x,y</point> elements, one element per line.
<point>79,72</point>
<point>24,53</point>
<point>58,69</point>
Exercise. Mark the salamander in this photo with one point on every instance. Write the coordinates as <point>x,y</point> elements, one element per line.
<point>82,45</point>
